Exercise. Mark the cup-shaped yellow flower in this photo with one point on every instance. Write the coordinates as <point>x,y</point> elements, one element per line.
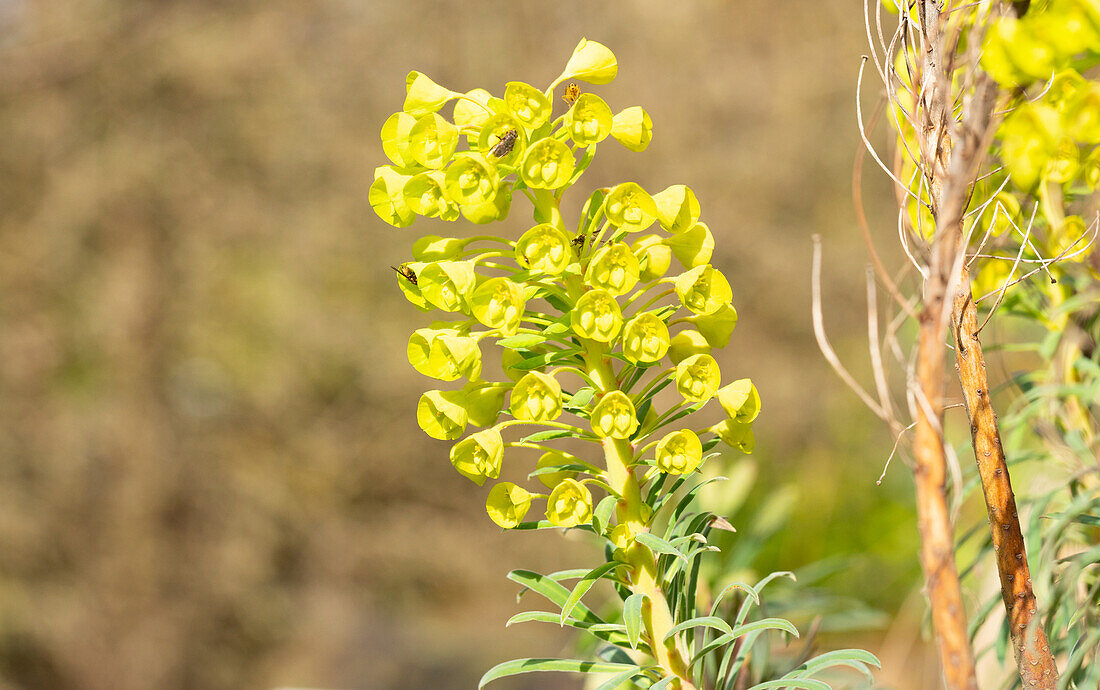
<point>432,141</point>
<point>679,452</point>
<point>536,398</point>
<point>483,401</point>
<point>687,343</point>
<point>614,416</point>
<point>693,247</point>
<point>717,328</point>
<point>423,96</point>
<point>527,104</point>
<point>632,128</point>
<point>645,338</point>
<point>478,456</point>
<point>677,208</point>
<point>736,435</point>
<point>1063,240</point>
<point>654,257</point>
<point>444,355</point>
<point>548,164</point>
<point>489,211</point>
<point>570,504</point>
<point>1065,164</point>
<point>614,268</point>
<point>740,400</point>
<point>395,139</point>
<point>703,289</point>
<point>1030,134</point>
<point>441,415</point>
<point>554,458</point>
<point>425,195</point>
<point>472,109</point>
<point>698,378</point>
<point>589,120</point>
<point>545,249</point>
<point>387,197</point>
<point>622,536</point>
<point>630,207</point>
<point>436,248</point>
<point>446,283</point>
<point>597,316</point>
<point>495,130</point>
<point>498,303</point>
<point>507,504</point>
<point>471,179</point>
<point>591,62</point>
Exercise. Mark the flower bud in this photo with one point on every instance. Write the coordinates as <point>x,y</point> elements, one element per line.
<point>570,504</point>
<point>740,400</point>
<point>679,452</point>
<point>614,268</point>
<point>527,104</point>
<point>507,504</point>
<point>589,120</point>
<point>591,62</point>
<point>645,339</point>
<point>548,164</point>
<point>703,289</point>
<point>440,415</point>
<point>445,284</point>
<point>478,456</point>
<point>544,249</point>
<point>536,398</point>
<point>677,208</point>
<point>432,141</point>
<point>387,197</point>
<point>632,128</point>
<point>596,316</point>
<point>697,378</point>
<point>614,416</point>
<point>498,303</point>
<point>630,208</point>
<point>554,458</point>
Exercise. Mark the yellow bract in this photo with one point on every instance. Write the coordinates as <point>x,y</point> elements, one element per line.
<point>507,504</point>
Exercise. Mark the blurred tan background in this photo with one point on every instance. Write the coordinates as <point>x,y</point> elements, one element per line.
<point>210,470</point>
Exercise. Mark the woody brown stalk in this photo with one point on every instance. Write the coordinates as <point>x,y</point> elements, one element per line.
<point>1029,642</point>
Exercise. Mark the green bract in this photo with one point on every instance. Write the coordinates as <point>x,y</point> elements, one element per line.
<point>432,141</point>
<point>717,328</point>
<point>507,504</point>
<point>554,458</point>
<point>536,398</point>
<point>630,207</point>
<point>498,303</point>
<point>444,355</point>
<point>614,268</point>
<point>424,96</point>
<point>687,343</point>
<point>544,248</point>
<point>526,104</point>
<point>471,179</point>
<point>472,110</point>
<point>570,504</point>
<point>645,338</point>
<point>488,211</point>
<point>440,414</point>
<point>408,287</point>
<point>698,377</point>
<point>740,401</point>
<point>654,257</point>
<point>395,139</point>
<point>591,62</point>
<point>703,290</point>
<point>483,402</point>
<point>614,416</point>
<point>589,120</point>
<point>632,128</point>
<point>692,247</point>
<point>424,194</point>
<point>387,197</point>
<point>597,316</point>
<point>736,435</point>
<point>677,208</point>
<point>679,452</point>
<point>493,132</point>
<point>445,284</point>
<point>548,164</point>
<point>436,248</point>
<point>478,456</point>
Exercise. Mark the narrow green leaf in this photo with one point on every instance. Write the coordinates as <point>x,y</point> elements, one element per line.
<point>582,397</point>
<point>601,516</point>
<point>546,435</point>
<point>632,616</point>
<point>617,680</point>
<point>663,683</point>
<point>659,545</point>
<point>582,587</point>
<point>522,340</point>
<point>518,666</point>
<point>806,683</point>
<point>553,591</point>
<point>705,621</point>
<point>846,657</point>
<point>747,589</point>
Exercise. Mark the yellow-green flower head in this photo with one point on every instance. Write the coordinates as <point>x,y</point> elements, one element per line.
<point>548,164</point>
<point>444,355</point>
<point>408,287</point>
<point>1000,214</point>
<point>554,458</point>
<point>432,141</point>
<point>623,535</point>
<point>424,96</point>
<point>570,504</point>
<point>703,289</point>
<point>494,130</point>
<point>716,328</point>
<point>478,456</point>
<point>545,249</point>
<point>424,194</point>
<point>446,283</point>
<point>736,435</point>
<point>740,400</point>
<point>632,128</point>
<point>687,343</point>
<point>498,303</point>
<point>614,416</point>
<point>614,268</point>
<point>1030,136</point>
<point>1060,240</point>
<point>527,104</point>
<point>473,109</point>
<point>698,377</point>
<point>597,316</point>
<point>507,504</point>
<point>436,248</point>
<point>1064,165</point>
<point>654,257</point>
<point>991,277</point>
<point>591,62</point>
<point>387,197</point>
<point>395,139</point>
<point>1090,169</point>
<point>692,247</point>
<point>1082,115</point>
<point>677,208</point>
<point>645,338</point>
<point>1064,87</point>
<point>679,452</point>
<point>483,401</point>
<point>440,414</point>
<point>630,207</point>
<point>536,398</point>
<point>471,179</point>
<point>489,211</point>
<point>589,120</point>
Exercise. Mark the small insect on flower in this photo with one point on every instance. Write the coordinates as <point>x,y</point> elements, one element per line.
<point>405,272</point>
<point>572,93</point>
<point>504,146</point>
<point>578,243</point>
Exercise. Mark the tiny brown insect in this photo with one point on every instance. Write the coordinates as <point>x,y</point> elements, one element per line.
<point>578,243</point>
<point>504,146</point>
<point>572,93</point>
<point>405,272</point>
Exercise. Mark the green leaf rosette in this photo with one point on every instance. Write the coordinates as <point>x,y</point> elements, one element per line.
<point>630,208</point>
<point>717,328</point>
<point>478,456</point>
<point>614,416</point>
<point>687,343</point>
<point>614,269</point>
<point>632,128</point>
<point>597,316</point>
<point>555,458</point>
<point>645,339</point>
<point>698,378</point>
<point>436,248</point>
<point>536,398</point>
<point>544,249</point>
<point>432,141</point>
<point>548,164</point>
<point>494,129</point>
<point>591,62</point>
<point>589,120</point>
<point>703,289</point>
<point>445,284</point>
<point>498,303</point>
<point>471,179</point>
<point>677,208</point>
<point>740,400</point>
<point>507,504</point>
<point>442,354</point>
<point>692,247</point>
<point>527,104</point>
<point>423,96</point>
<point>441,415</point>
<point>736,435</point>
<point>387,197</point>
<point>425,195</point>
<point>570,504</point>
<point>654,257</point>
<point>395,139</point>
<point>679,452</point>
